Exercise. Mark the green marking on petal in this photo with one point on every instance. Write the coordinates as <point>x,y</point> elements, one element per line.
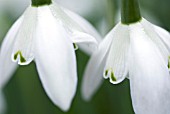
<point>22,59</point>
<point>113,78</point>
<point>15,56</point>
<point>169,62</point>
<point>106,72</point>
<point>75,46</point>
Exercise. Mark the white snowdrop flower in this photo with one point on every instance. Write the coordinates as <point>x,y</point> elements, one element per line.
<point>140,51</point>
<point>47,34</point>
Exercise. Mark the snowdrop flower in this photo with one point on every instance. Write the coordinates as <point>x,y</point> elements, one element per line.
<point>47,33</point>
<point>140,51</point>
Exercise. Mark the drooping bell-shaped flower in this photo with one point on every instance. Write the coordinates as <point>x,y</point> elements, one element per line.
<point>138,50</point>
<point>47,34</point>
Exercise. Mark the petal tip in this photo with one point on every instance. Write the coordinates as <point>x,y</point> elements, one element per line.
<point>85,94</point>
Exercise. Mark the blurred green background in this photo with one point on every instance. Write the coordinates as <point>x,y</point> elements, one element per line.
<point>25,95</point>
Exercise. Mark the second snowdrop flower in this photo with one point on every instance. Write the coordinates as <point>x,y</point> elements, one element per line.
<point>137,50</point>
<point>47,33</point>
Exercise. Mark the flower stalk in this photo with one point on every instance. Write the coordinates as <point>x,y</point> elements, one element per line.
<point>130,12</point>
<point>37,3</point>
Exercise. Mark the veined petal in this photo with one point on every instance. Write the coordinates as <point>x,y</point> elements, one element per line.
<point>116,66</point>
<point>148,73</point>
<point>80,30</point>
<point>92,78</point>
<point>7,67</point>
<point>154,36</point>
<point>23,47</point>
<point>164,35</point>
<point>55,59</point>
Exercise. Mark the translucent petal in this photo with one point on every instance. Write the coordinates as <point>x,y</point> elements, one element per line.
<point>2,103</point>
<point>7,67</point>
<point>164,35</point>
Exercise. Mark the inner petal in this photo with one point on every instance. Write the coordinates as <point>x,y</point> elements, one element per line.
<point>116,65</point>
<point>23,46</point>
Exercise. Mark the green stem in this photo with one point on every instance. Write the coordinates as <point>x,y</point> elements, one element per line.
<point>38,3</point>
<point>130,12</point>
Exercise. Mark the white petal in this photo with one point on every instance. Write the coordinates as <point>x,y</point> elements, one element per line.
<point>80,37</point>
<point>23,47</point>
<point>92,78</point>
<point>7,67</point>
<point>85,25</point>
<point>2,103</point>
<point>116,66</point>
<point>164,35</point>
<point>55,59</point>
<point>148,73</point>
<point>150,31</point>
<point>76,27</point>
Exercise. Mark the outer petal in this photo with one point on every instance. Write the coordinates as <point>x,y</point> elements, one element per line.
<point>164,35</point>
<point>154,36</point>
<point>85,25</point>
<point>23,47</point>
<point>83,32</point>
<point>116,66</point>
<point>93,74</point>
<point>55,59</point>
<point>149,76</point>
<point>7,67</point>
